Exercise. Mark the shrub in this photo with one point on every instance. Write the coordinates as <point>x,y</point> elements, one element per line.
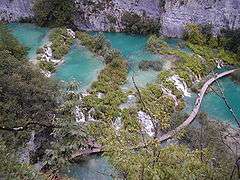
<point>231,39</point>
<point>193,34</point>
<point>155,44</point>
<point>136,24</point>
<point>61,42</point>
<point>54,12</point>
<point>47,66</point>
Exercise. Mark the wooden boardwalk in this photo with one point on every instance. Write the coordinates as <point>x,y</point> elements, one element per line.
<point>197,106</point>
<point>95,148</point>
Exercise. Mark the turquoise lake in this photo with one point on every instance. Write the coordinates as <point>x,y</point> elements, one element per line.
<point>94,167</point>
<point>82,66</point>
<point>215,107</point>
<point>30,36</point>
<point>133,49</point>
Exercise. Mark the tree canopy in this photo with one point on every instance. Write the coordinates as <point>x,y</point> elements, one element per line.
<point>54,12</point>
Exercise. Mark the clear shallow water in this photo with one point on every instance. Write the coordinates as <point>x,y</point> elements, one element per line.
<point>94,167</point>
<point>133,49</point>
<point>80,65</point>
<point>215,107</point>
<point>30,35</point>
<point>175,42</point>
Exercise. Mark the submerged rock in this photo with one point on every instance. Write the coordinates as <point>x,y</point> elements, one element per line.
<point>153,65</point>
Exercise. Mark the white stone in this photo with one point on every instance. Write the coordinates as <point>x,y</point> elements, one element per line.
<point>146,122</point>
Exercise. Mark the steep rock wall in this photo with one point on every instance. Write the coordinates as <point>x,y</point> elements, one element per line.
<point>105,15</point>
<point>221,13</point>
<point>15,10</point>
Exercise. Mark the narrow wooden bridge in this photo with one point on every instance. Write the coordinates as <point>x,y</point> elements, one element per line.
<point>197,106</point>
<point>94,148</point>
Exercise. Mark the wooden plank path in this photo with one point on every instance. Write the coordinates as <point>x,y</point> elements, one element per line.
<point>197,106</point>
<point>95,148</point>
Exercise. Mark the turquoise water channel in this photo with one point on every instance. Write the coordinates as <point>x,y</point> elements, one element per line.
<point>133,49</point>
<point>30,36</point>
<point>82,66</point>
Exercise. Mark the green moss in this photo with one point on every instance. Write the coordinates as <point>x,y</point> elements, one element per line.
<point>193,34</point>
<point>47,66</point>
<point>61,42</point>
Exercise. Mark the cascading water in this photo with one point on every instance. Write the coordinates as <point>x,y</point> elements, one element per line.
<point>25,152</point>
<point>180,84</point>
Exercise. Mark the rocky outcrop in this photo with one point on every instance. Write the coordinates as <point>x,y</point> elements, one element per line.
<point>106,15</point>
<point>221,13</point>
<point>15,10</point>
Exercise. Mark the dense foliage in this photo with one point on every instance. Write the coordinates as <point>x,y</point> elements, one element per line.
<point>61,42</point>
<point>9,43</point>
<point>27,102</point>
<point>54,12</point>
<point>133,23</point>
<point>46,66</point>
<point>231,40</point>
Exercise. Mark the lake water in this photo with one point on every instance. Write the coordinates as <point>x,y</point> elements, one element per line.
<point>215,107</point>
<point>31,36</point>
<point>82,66</point>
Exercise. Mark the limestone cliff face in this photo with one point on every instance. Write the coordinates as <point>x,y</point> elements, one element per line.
<point>105,15</point>
<point>14,10</point>
<point>221,13</point>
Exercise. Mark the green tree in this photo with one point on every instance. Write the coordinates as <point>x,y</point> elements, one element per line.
<point>10,168</point>
<point>193,34</point>
<point>8,42</point>
<point>54,12</point>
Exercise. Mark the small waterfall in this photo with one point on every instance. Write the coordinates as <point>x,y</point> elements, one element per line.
<point>71,33</point>
<point>118,124</point>
<point>169,93</point>
<point>30,147</point>
<point>220,64</point>
<point>180,84</point>
<point>146,122</point>
<point>79,115</point>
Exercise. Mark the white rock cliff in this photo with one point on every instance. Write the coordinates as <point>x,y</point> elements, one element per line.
<point>105,15</point>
